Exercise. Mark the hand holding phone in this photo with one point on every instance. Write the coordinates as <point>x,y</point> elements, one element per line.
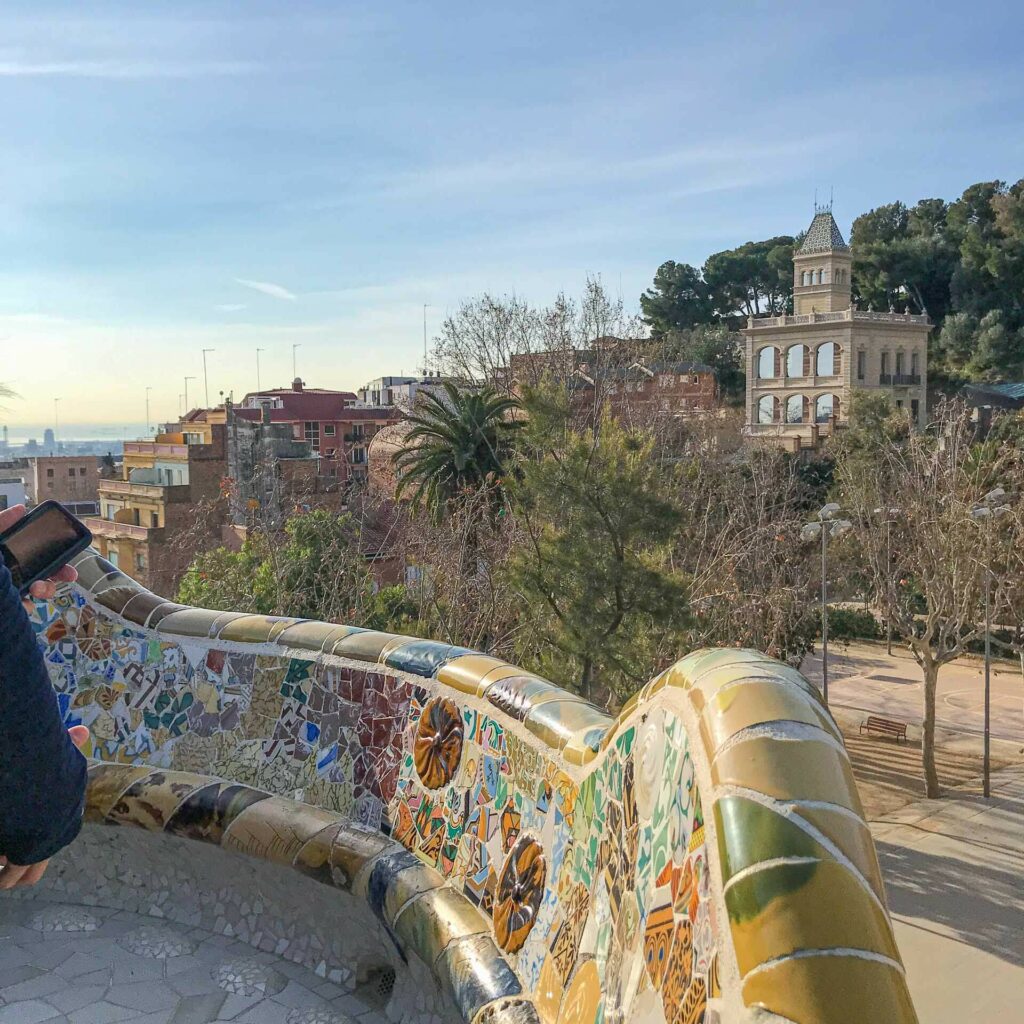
<point>36,546</point>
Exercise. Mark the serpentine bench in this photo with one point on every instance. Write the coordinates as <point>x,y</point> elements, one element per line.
<point>701,856</point>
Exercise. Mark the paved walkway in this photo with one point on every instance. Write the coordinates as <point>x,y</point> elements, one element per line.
<point>954,872</point>
<point>65,964</point>
<point>862,675</point>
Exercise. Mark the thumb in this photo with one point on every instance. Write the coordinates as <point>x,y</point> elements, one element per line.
<point>79,735</point>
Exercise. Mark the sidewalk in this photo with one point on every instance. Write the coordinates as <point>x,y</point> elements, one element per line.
<point>954,873</point>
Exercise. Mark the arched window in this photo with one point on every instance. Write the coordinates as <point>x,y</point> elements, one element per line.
<point>796,361</point>
<point>795,409</point>
<point>768,363</point>
<point>825,407</point>
<point>767,409</point>
<point>818,279</point>
<point>827,359</point>
<point>915,363</point>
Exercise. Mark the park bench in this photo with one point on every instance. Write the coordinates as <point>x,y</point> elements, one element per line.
<point>885,725</point>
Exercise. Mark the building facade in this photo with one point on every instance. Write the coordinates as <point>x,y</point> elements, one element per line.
<point>148,518</point>
<point>72,480</point>
<point>333,424</point>
<point>803,368</point>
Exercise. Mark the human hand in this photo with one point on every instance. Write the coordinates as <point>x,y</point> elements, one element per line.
<point>44,590</point>
<point>13,875</point>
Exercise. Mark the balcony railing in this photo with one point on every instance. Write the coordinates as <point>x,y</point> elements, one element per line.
<point>838,316</point>
<point>165,492</point>
<point>108,528</point>
<point>899,380</point>
<point>155,448</point>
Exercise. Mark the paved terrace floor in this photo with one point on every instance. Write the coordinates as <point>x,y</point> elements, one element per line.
<point>954,872</point>
<point>142,970</point>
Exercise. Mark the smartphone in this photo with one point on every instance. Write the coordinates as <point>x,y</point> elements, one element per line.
<point>36,546</point>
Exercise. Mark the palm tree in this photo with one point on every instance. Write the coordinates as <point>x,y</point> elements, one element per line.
<point>456,445</point>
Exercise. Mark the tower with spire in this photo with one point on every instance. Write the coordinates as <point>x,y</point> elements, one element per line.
<point>804,368</point>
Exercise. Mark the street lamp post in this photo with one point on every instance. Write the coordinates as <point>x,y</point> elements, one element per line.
<point>206,382</point>
<point>990,508</point>
<point>826,525</point>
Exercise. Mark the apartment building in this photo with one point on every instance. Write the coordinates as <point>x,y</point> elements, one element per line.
<point>72,480</point>
<point>334,424</point>
<point>148,516</point>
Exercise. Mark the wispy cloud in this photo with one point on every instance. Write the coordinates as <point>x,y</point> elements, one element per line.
<point>121,69</point>
<point>229,307</point>
<point>275,291</point>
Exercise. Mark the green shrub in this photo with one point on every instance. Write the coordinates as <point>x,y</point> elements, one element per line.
<point>852,624</point>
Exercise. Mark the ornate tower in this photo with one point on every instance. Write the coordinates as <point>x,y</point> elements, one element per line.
<point>821,267</point>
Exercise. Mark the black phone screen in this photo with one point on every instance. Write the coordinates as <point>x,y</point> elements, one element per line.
<point>30,550</point>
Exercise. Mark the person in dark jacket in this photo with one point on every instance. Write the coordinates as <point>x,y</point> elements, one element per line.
<point>42,773</point>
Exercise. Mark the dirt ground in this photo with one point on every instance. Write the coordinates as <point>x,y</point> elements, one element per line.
<point>889,774</point>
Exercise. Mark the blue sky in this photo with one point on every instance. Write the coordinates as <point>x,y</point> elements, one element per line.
<point>233,176</point>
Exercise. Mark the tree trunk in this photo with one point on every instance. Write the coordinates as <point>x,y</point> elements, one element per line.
<point>587,678</point>
<point>931,776</point>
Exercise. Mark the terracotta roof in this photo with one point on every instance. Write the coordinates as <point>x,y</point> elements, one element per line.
<point>823,235</point>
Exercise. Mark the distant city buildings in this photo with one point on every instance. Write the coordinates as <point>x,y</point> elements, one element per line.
<point>802,369</point>
<point>334,424</point>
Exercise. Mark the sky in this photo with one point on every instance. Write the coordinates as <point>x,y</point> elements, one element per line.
<point>180,176</point>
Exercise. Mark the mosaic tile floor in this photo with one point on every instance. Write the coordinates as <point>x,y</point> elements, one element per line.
<point>66,964</point>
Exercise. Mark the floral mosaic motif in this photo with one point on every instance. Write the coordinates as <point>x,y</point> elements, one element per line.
<point>438,746</point>
<point>519,893</point>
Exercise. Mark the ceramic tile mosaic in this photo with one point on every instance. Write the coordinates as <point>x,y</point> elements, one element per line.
<point>545,862</point>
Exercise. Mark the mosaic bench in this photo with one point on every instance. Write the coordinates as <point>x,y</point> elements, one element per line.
<point>700,857</point>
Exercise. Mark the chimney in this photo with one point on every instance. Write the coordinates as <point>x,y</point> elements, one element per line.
<point>297,384</point>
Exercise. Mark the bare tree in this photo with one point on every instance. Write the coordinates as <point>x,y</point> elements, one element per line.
<point>932,581</point>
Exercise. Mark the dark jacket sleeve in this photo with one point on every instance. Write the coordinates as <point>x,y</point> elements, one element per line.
<point>42,773</point>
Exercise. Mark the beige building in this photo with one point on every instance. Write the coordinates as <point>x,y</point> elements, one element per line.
<point>802,368</point>
<point>70,479</point>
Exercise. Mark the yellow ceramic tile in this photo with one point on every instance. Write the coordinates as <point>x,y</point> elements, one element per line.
<point>308,636</point>
<point>754,703</point>
<point>106,783</point>
<point>429,922</point>
<point>852,838</point>
<point>788,770</point>
<point>832,990</point>
<point>812,905</point>
<point>468,672</point>
<point>150,802</point>
<point>403,885</point>
<point>365,646</point>
<point>547,996</point>
<point>583,997</point>
<point>353,849</point>
<point>255,629</point>
<point>276,829</point>
<point>554,723</point>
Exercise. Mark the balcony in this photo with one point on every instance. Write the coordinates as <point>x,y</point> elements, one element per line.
<point>131,489</point>
<point>153,448</point>
<point>839,316</point>
<point>110,528</point>
<point>899,380</point>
